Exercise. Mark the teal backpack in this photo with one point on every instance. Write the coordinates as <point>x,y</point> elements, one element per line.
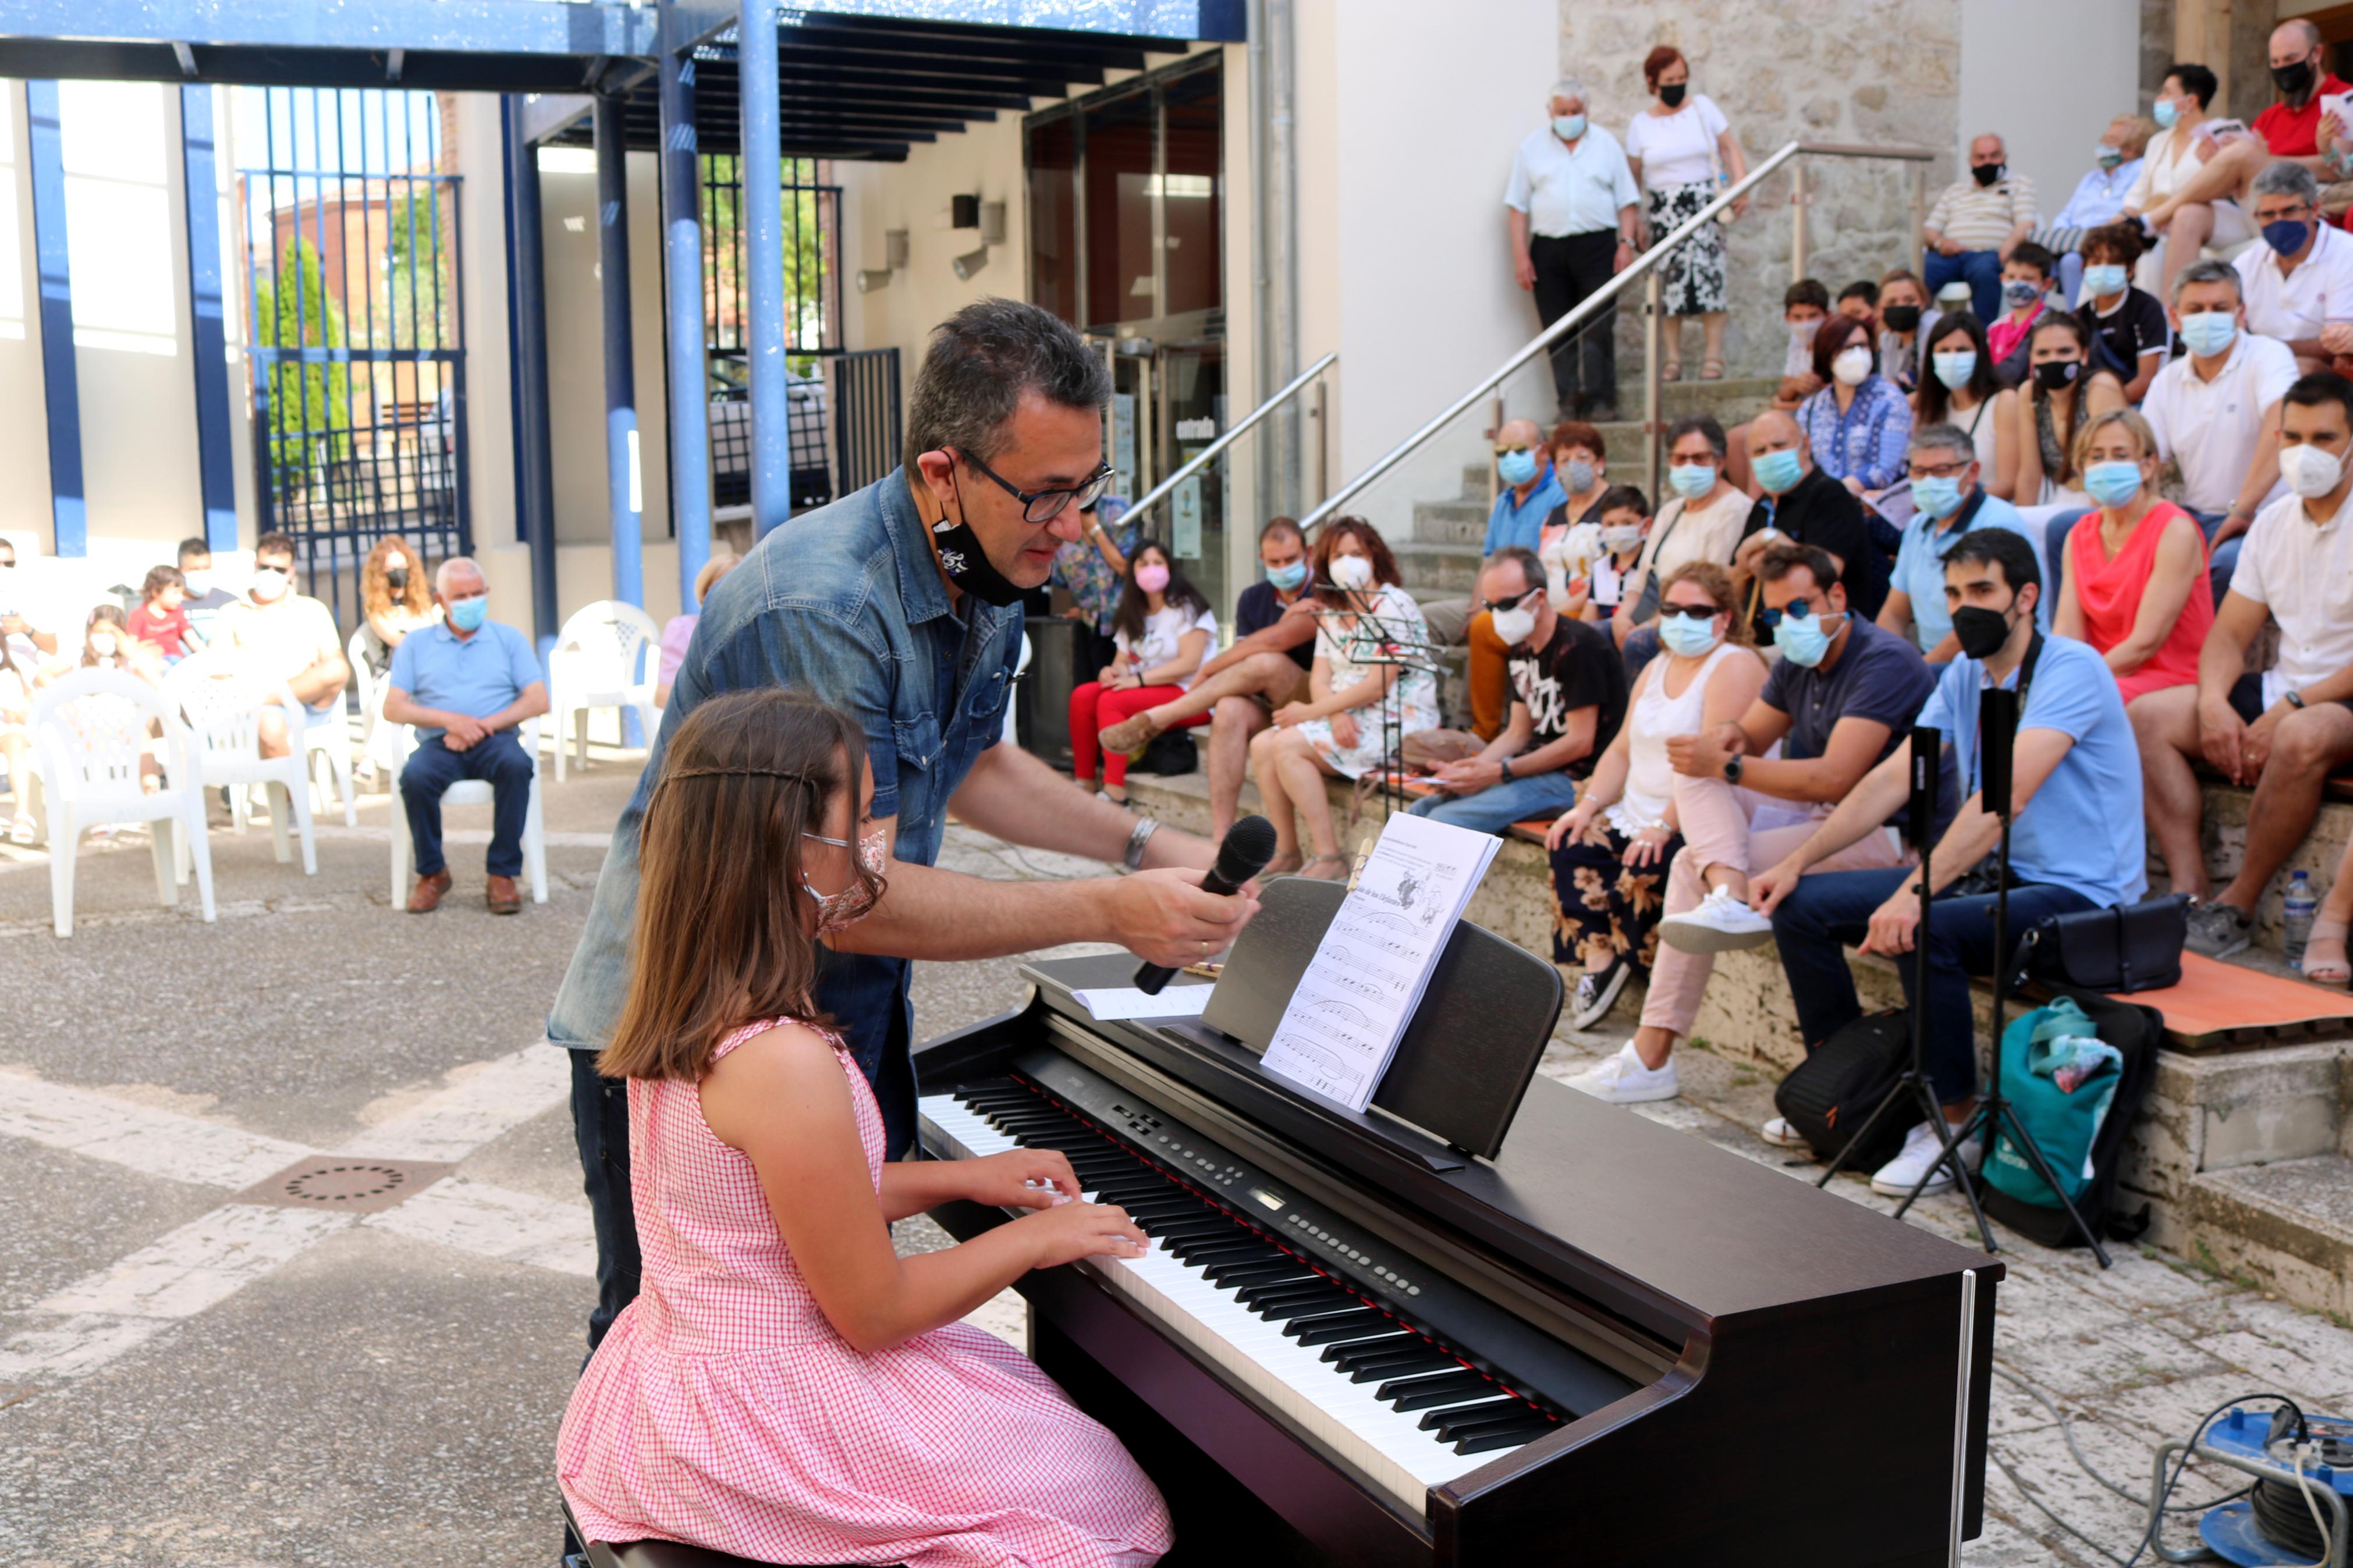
<point>2062,1080</point>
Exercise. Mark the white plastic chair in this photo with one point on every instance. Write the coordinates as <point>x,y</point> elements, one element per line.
<point>597,664</point>
<point>467,791</point>
<point>377,740</point>
<point>224,720</point>
<point>91,749</point>
<point>328,738</point>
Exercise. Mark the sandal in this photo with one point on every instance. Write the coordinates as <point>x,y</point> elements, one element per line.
<point>1283,865</point>
<point>1131,735</point>
<point>1711,370</point>
<point>1338,869</point>
<point>2331,971</point>
<point>1671,371</point>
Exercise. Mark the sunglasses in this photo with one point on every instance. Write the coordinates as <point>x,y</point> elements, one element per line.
<point>1508,451</point>
<point>1691,612</point>
<point>1493,605</point>
<point>1045,506</point>
<point>1800,609</point>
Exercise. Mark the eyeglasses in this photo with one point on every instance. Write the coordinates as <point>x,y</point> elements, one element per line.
<point>1508,451</point>
<point>1799,609</point>
<point>1494,605</point>
<point>1939,470</point>
<point>1691,612</point>
<point>1045,506</point>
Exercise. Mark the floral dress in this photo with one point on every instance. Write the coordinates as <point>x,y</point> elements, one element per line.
<point>1390,628</point>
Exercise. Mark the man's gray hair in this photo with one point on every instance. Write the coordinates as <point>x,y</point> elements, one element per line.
<point>2287,179</point>
<point>1944,439</point>
<point>457,563</point>
<point>1532,571</point>
<point>979,364</point>
<point>1566,87</point>
<point>2208,270</point>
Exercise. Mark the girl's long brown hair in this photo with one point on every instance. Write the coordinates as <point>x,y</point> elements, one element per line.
<point>724,927</point>
<point>376,580</point>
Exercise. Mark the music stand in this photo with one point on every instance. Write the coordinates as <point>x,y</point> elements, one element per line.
<point>1395,643</point>
<point>1997,737</point>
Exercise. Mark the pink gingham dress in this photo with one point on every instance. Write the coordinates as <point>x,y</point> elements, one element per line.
<point>723,1410</point>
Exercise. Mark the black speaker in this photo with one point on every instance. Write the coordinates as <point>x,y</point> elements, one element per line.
<point>1996,735</point>
<point>964,212</point>
<point>1058,650</point>
<point>1928,759</point>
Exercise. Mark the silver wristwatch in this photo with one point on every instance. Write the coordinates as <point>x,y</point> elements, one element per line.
<point>1145,828</point>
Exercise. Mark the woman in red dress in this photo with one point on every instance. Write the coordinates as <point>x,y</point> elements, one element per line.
<point>2136,569</point>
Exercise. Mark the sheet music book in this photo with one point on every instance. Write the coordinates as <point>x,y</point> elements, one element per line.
<point>1352,1005</point>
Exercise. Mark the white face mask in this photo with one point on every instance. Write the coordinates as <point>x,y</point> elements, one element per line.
<point>1853,366</point>
<point>269,584</point>
<point>102,644</point>
<point>199,583</point>
<point>2310,471</point>
<point>1621,537</point>
<point>1515,626</point>
<point>1353,572</point>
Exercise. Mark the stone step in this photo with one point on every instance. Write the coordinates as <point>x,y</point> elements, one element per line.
<point>1460,523</point>
<point>1436,571</point>
<point>2286,1227</point>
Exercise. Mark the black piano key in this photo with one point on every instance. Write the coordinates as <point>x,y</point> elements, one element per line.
<point>1322,1329</point>
<point>1445,1388</point>
<point>1232,1276</point>
<point>1349,1353</point>
<point>1448,1414</point>
<point>1167,1210</point>
<point>1529,1422</point>
<point>1502,1438</point>
<point>1277,1301</point>
<point>1401,1363</point>
<point>1208,1244</point>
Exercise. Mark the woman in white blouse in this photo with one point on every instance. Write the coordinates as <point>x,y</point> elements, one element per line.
<point>1681,151</point>
<point>1162,629</point>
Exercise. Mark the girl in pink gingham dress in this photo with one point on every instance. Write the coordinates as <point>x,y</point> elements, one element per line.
<point>785,1387</point>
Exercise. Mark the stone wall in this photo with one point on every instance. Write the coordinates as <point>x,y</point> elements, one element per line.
<point>1868,71</point>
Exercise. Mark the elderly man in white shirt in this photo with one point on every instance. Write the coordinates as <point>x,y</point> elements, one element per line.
<point>2299,281</point>
<point>1576,222</point>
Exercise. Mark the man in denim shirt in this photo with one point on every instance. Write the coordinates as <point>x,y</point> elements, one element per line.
<point>900,605</point>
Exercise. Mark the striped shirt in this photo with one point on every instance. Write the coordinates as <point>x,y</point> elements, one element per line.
<point>1979,217</point>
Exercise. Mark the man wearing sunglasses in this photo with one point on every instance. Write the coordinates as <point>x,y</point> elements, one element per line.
<point>900,604</point>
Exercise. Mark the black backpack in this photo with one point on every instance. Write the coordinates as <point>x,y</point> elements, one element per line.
<point>2137,1032</point>
<point>1827,1097</point>
<point>1171,752</point>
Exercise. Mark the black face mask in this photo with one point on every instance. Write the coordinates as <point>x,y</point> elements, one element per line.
<point>967,564</point>
<point>1980,631</point>
<point>1671,95</point>
<point>2294,80</point>
<point>1902,318</point>
<point>1986,173</point>
<point>397,580</point>
<point>2057,375</point>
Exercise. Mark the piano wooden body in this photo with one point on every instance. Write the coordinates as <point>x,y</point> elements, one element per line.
<point>1613,1343</point>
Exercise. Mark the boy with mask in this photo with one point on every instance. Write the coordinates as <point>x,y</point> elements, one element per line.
<point>2075,845</point>
<point>206,600</point>
<point>2025,292</point>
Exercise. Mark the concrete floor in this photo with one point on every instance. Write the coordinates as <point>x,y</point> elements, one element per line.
<point>190,1379</point>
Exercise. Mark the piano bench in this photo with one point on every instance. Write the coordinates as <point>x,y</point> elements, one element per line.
<point>661,1553</point>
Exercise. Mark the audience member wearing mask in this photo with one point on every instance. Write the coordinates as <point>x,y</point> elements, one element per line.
<point>2288,730</point>
<point>2062,392</point>
<point>1530,491</point>
<point>1948,502</point>
<point>160,619</point>
<point>1610,851</point>
<point>1239,689</point>
<point>1903,306</point>
<point>1571,535</point>
<point>278,636</point>
<point>206,598</point>
<point>1575,222</point>
<point>1683,152</point>
<point>1976,222</point>
<point>1361,700</point>
<point>466,683</point>
<point>1839,700</point>
<point>2025,298</point>
<point>17,742</point>
<point>396,599</point>
<point>2134,565</point>
<point>2071,847</point>
<point>2130,338</point>
<point>1567,690</point>
<point>1802,505</point>
<point>1961,388</point>
<point>2099,198</point>
<point>1856,425</point>
<point>1165,629</point>
<point>1701,524</point>
<point>2299,281</point>
<point>2215,410</point>
<point>107,644</point>
<point>2299,61</point>
<point>1625,523</point>
<point>1804,306</point>
<point>2190,180</point>
<point>678,633</point>
<point>25,630</point>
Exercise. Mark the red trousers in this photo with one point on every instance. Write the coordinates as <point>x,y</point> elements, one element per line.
<point>1094,709</point>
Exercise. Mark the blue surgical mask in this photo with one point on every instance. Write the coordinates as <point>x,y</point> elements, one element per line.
<point>2209,333</point>
<point>1802,640</point>
<point>1578,476</point>
<point>2287,236</point>
<point>467,615</point>
<point>1288,578</point>
<point>2108,157</point>
<point>1692,480</point>
<point>1569,127</point>
<point>1691,639</point>
<point>1777,471</point>
<point>2019,293</point>
<point>1517,468</point>
<point>2106,278</point>
<point>1940,495</point>
<point>1954,367</point>
<point>2112,483</point>
<point>2165,113</point>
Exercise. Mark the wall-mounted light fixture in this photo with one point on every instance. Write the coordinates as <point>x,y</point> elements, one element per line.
<point>894,259</point>
<point>970,263</point>
<point>987,217</point>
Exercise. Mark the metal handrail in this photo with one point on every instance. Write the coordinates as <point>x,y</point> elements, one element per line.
<point>1200,460</point>
<point>1640,268</point>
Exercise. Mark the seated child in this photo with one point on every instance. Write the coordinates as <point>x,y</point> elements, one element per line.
<point>787,1387</point>
<point>1625,523</point>
<point>162,622</point>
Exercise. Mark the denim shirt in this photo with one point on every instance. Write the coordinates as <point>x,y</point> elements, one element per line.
<point>846,604</point>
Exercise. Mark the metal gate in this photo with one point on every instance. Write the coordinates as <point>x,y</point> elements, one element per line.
<point>356,346</point>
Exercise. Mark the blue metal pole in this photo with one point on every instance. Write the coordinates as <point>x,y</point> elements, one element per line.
<point>620,351</point>
<point>60,384</point>
<point>527,359</point>
<point>758,114</point>
<point>207,322</point>
<point>689,391</point>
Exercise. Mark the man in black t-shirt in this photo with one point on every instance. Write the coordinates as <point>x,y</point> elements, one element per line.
<point>1802,505</point>
<point>1569,697</point>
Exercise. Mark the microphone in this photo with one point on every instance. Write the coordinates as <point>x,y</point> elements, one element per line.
<point>1249,845</point>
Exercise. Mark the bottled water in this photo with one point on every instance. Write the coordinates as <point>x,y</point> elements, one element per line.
<point>2297,925</point>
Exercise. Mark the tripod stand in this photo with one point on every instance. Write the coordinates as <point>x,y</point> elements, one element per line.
<point>1393,646</point>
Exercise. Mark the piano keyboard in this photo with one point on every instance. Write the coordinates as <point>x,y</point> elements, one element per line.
<point>1268,1297</point>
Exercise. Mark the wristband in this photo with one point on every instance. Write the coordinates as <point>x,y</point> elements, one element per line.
<point>2294,699</point>
<point>1145,828</point>
<point>1506,765</point>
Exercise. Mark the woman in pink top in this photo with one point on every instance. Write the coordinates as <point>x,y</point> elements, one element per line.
<point>787,1387</point>
<point>2134,585</point>
<point>681,629</point>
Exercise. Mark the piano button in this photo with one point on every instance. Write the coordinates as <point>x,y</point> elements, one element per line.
<point>1445,1388</point>
<point>1233,1276</point>
<point>1327,1327</point>
<point>1348,1351</point>
<point>1451,1415</point>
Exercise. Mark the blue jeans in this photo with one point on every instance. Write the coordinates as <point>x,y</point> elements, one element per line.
<point>600,1121</point>
<point>2221,563</point>
<point>1830,910</point>
<point>498,760</point>
<point>1498,806</point>
<point>1981,269</point>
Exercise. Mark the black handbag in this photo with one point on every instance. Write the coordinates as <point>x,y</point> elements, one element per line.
<point>2132,947</point>
<point>1829,1097</point>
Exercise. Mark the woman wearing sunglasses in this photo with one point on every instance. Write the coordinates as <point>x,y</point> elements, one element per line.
<point>1610,851</point>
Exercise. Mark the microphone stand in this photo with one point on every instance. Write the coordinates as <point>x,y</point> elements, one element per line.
<point>1395,649</point>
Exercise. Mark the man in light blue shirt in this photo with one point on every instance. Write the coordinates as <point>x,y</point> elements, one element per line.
<point>466,683</point>
<point>1948,502</point>
<point>2099,197</point>
<point>1531,490</point>
<point>1576,222</point>
<point>2077,838</point>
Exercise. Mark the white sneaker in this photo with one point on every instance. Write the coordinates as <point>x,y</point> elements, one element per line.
<point>1719,924</point>
<point>1922,1149</point>
<point>1624,1081</point>
<point>1781,1135</point>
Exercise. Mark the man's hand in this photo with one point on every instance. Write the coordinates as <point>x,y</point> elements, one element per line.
<point>2337,337</point>
<point>1165,917</point>
<point>1524,267</point>
<point>2260,736</point>
<point>1894,923</point>
<point>2222,736</point>
<point>15,625</point>
<point>463,732</point>
<point>1768,887</point>
<point>1470,775</point>
<point>1020,1179</point>
<point>1703,756</point>
<point>1623,257</point>
<point>1947,246</point>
